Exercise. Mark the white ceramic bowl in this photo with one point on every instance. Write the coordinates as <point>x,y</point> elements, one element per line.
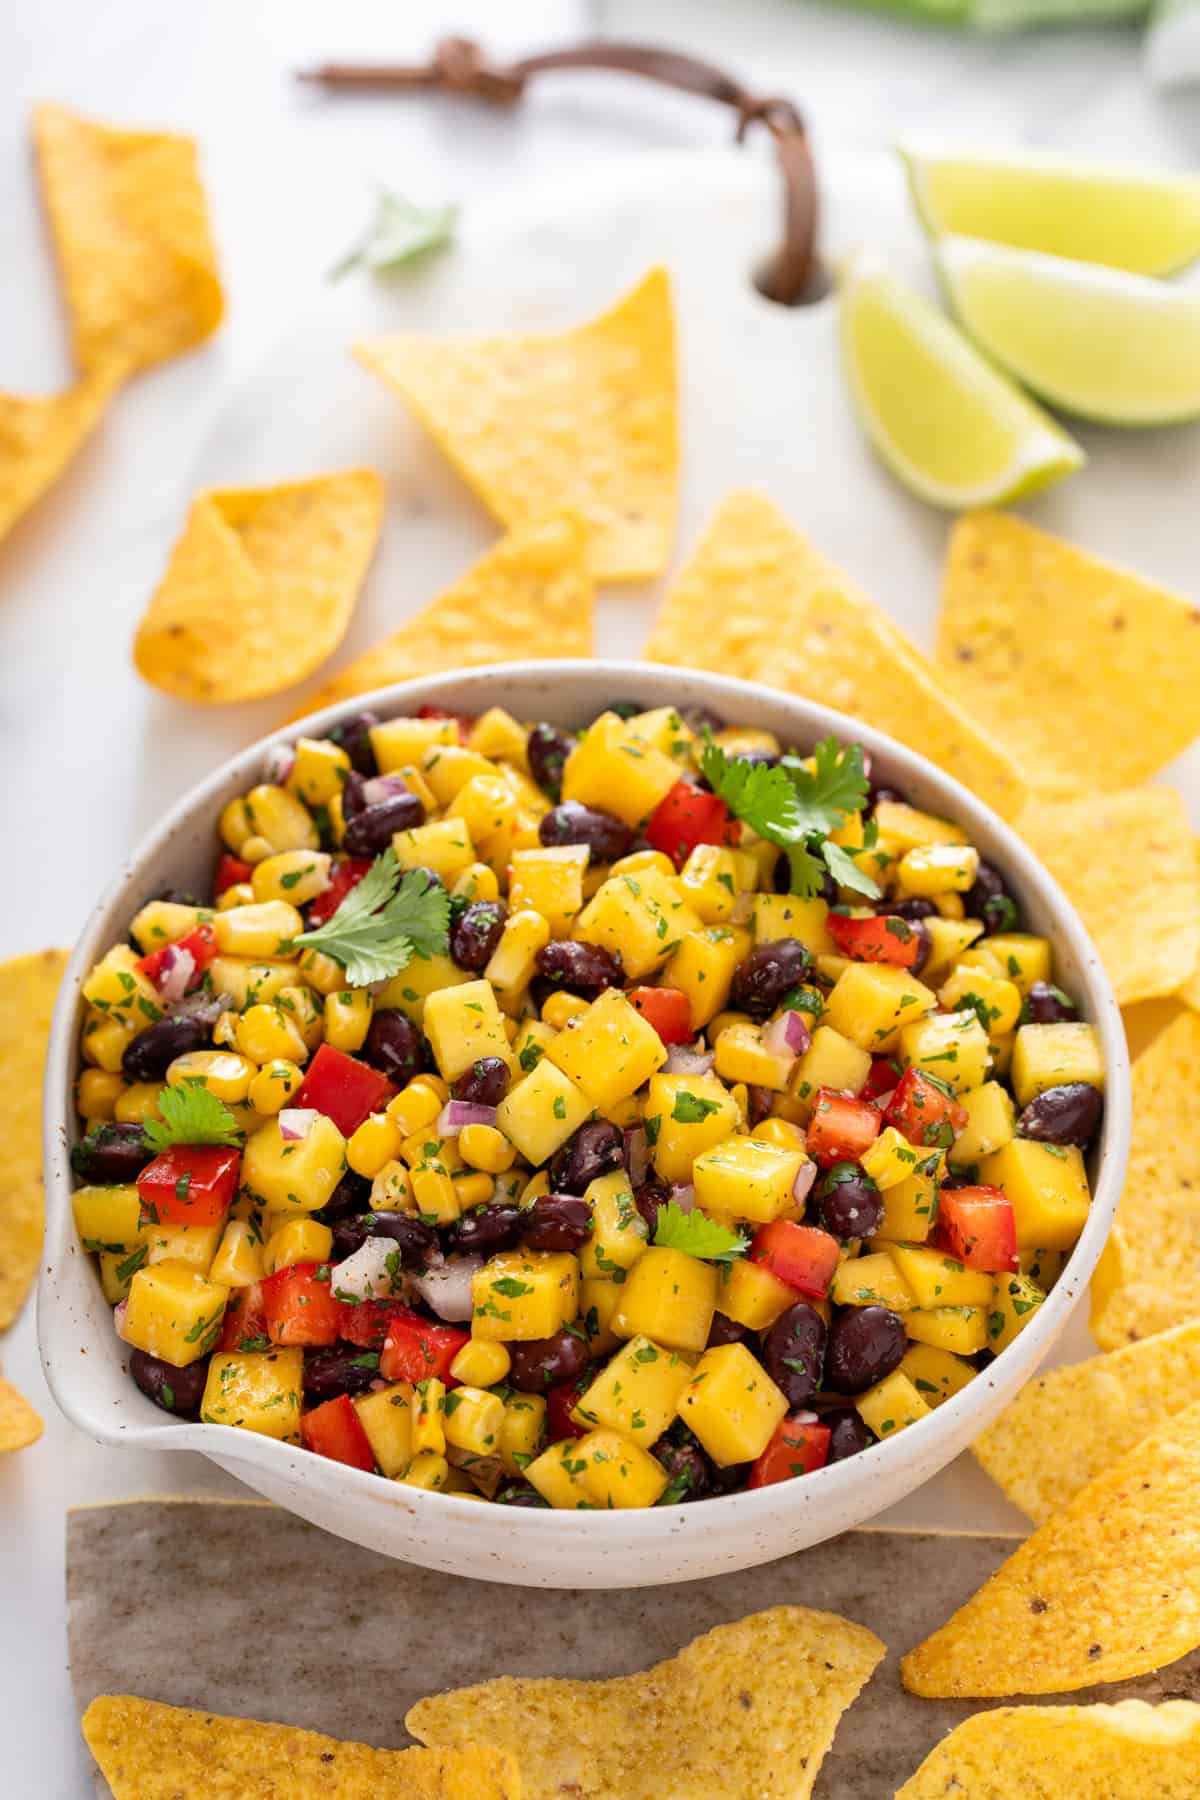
<point>536,1548</point>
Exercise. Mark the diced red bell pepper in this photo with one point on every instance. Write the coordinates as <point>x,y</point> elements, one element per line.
<point>334,1430</point>
<point>883,938</point>
<point>189,1184</point>
<point>343,876</point>
<point>231,870</point>
<point>802,1255</point>
<point>244,1325</point>
<point>688,815</point>
<point>344,1089</point>
<point>841,1127</point>
<point>925,1111</point>
<point>667,1009</point>
<point>300,1306</point>
<point>561,1402</point>
<point>464,721</point>
<point>882,1080</point>
<point>368,1323</point>
<point>200,944</point>
<point>976,1224</point>
<point>800,1445</point>
<point>416,1348</point>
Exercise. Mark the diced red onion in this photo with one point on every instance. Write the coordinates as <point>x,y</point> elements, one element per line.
<point>684,1195</point>
<point>883,1101</point>
<point>295,1123</point>
<point>456,1115</point>
<point>743,908</point>
<point>637,1155</point>
<point>382,787</point>
<point>175,972</point>
<point>447,1290</point>
<point>119,1311</point>
<point>281,760</point>
<point>788,1035</point>
<point>682,1059</point>
<point>365,1274</point>
<point>802,1185</point>
<point>803,1418</point>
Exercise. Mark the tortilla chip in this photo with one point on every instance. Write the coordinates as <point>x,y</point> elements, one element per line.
<point>1126,864</point>
<point>1130,1751</point>
<point>758,601</point>
<point>38,437</point>
<point>1145,1019</point>
<point>260,587</point>
<point>529,595</point>
<point>1189,993</point>
<point>19,1424</point>
<point>1107,1588</point>
<point>148,1751</point>
<point>130,226</point>
<point>1148,1277</point>
<point>1066,1426</point>
<point>749,1708</point>
<point>28,989</point>
<point>583,421</point>
<point>1087,674</point>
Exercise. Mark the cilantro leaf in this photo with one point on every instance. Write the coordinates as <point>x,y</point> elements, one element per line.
<point>400,234</point>
<point>191,1115</point>
<point>762,794</point>
<point>699,1235</point>
<point>380,926</point>
<point>846,872</point>
<point>832,789</point>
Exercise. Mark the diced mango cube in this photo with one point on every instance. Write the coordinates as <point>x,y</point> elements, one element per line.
<point>301,1172</point>
<point>891,1159</point>
<point>669,1297</point>
<point>402,741</point>
<point>195,1245</point>
<point>117,988</point>
<point>616,1472</point>
<point>163,922</point>
<point>616,770</point>
<point>745,1178</point>
<point>619,1231</point>
<point>256,1391</point>
<point>952,1046</point>
<point>555,1474</point>
<point>937,869</point>
<point>911,828</point>
<point>940,1280</point>
<point>891,1404</point>
<point>1047,1185</point>
<point>520,1295</point>
<point>911,1207</point>
<point>686,1115</point>
<point>732,1405</point>
<point>1046,1056</point>
<point>108,1218</point>
<point>386,1417</point>
<point>609,1050</point>
<point>522,1431</point>
<point>872,1280</point>
<point>424,975</point>
<point>464,1024</point>
<point>173,1312</point>
<point>995,999</point>
<point>949,939</point>
<point>550,881</point>
<point>1022,957</point>
<point>641,918</point>
<point>990,1124</point>
<point>790,916</point>
<point>1014,1304</point>
<point>703,968</point>
<point>741,1055</point>
<point>871,1001</point>
<point>752,1296</point>
<point>540,1113</point>
<point>831,1061</point>
<point>711,879</point>
<point>936,1374</point>
<point>962,1329</point>
<point>637,1392</point>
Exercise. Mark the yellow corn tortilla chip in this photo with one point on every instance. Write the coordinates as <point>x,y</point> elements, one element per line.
<point>1131,1751</point>
<point>130,225</point>
<point>260,587</point>
<point>1189,993</point>
<point>1145,1019</point>
<point>749,1708</point>
<point>1087,674</point>
<point>1148,1277</point>
<point>1067,1425</point>
<point>1106,1589</point>
<point>39,436</point>
<point>28,989</point>
<point>19,1424</point>
<point>148,1751</point>
<point>758,601</point>
<point>1126,864</point>
<point>584,421</point>
<point>529,595</point>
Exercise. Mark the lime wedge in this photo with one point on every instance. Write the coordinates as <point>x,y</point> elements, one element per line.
<point>1120,349</point>
<point>1126,218</point>
<point>945,422</point>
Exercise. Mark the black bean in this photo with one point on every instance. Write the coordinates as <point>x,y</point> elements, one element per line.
<point>475,934</point>
<point>725,1330</point>
<point>1068,1114</point>
<point>847,1433</point>
<point>730,1480</point>
<point>589,1153</point>
<point>369,832</point>
<point>989,899</point>
<point>606,837</point>
<point>354,795</point>
<point>486,1229</point>
<point>865,1344</point>
<point>793,1352</point>
<point>1045,1004</point>
<point>328,1373</point>
<point>182,897</point>
<point>924,946</point>
<point>542,1363</point>
<point>485,1083</point>
<point>416,1241</point>
<point>556,1222</point>
<point>701,719</point>
<point>519,1495</point>
<point>911,910</point>
<point>848,1202</point>
<point>690,1471</point>
<point>351,1195</point>
<point>394,1045</point>
<point>650,1198</point>
<point>177,1391</point>
<point>354,736</point>
<point>760,983</point>
<point>150,1054</point>
<point>111,1154</point>
<point>759,1101</point>
<point>584,968</point>
<point>548,749</point>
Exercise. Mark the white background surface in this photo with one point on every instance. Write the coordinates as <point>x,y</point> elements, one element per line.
<point>89,756</point>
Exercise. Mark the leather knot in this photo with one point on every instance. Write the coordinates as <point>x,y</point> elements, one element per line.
<point>462,68</point>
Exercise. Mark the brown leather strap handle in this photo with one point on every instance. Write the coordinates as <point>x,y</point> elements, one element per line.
<point>459,66</point>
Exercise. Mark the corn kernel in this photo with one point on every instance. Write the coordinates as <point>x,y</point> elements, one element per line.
<point>104,1041</point>
<point>429,1416</point>
<point>480,1364</point>
<point>781,1132</point>
<point>220,1071</point>
<point>415,1106</point>
<point>638,861</point>
<point>296,876</point>
<point>434,1196</point>
<point>299,1003</point>
<point>515,957</point>
<point>930,869</point>
<point>391,1189</point>
<point>274,1086</point>
<point>472,1189</point>
<point>238,893</point>
<point>535,1187</point>
<point>348,1018</point>
<point>321,972</point>
<point>138,1102</point>
<point>97,1092</point>
<point>426,1470</point>
<point>239,1260</point>
<point>474,1419</point>
<point>417,784</point>
<point>376,1143</point>
<point>225,1030</point>
<point>297,1241</point>
<point>561,1008</point>
<point>278,817</point>
<point>950,906</point>
<point>263,929</point>
<point>319,769</point>
<point>483,1147</point>
<point>234,825</point>
<point>477,882</point>
<point>265,1033</point>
